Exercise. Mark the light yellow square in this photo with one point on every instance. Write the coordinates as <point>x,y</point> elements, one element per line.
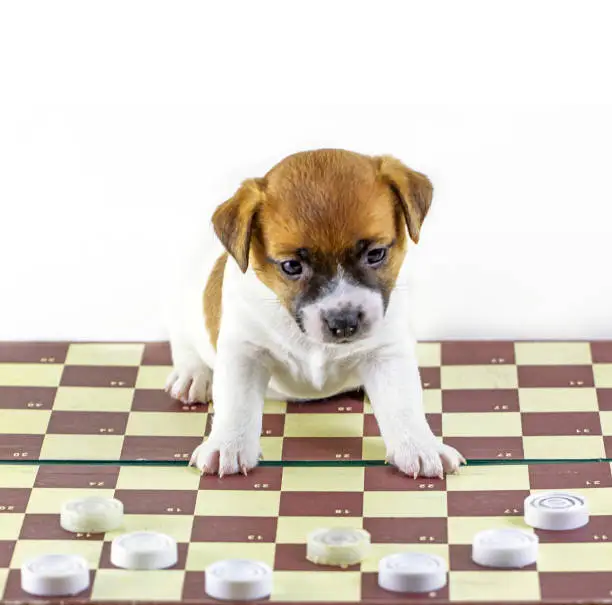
<point>272,406</point>
<point>599,499</point>
<point>432,401</point>
<point>25,549</point>
<point>30,374</point>
<point>202,554</point>
<point>494,586</point>
<point>17,475</point>
<point>552,353</point>
<point>562,446</point>
<point>603,375</point>
<point>138,585</point>
<point>378,551</point>
<point>166,424</point>
<point>50,499</point>
<point>558,400</point>
<point>482,424</point>
<point>294,530</point>
<point>104,354</point>
<point>571,557</point>
<point>373,448</point>
<point>429,354</point>
<point>81,447</point>
<point>313,586</point>
<point>272,448</point>
<point>323,479</point>
<point>323,425</point>
<point>479,377</point>
<point>489,478</point>
<point>177,526</point>
<point>239,503</point>
<point>3,579</point>
<point>10,525</point>
<point>93,399</point>
<point>24,422</point>
<point>158,478</point>
<point>606,422</point>
<point>152,377</point>
<point>461,530</point>
<point>404,504</point>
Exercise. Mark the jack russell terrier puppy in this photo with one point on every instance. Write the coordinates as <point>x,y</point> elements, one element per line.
<point>297,300</point>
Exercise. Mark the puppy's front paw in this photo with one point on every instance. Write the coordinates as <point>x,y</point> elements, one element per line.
<point>429,458</point>
<point>226,457</point>
<point>190,384</point>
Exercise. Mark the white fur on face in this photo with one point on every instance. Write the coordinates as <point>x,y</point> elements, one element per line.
<point>343,295</point>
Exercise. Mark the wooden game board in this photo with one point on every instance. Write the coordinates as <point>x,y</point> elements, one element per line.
<point>492,400</point>
<point>267,515</point>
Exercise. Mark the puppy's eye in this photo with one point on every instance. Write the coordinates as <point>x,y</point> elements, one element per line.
<point>293,268</point>
<point>376,256</point>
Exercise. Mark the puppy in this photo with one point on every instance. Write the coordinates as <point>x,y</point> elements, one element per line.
<point>298,300</point>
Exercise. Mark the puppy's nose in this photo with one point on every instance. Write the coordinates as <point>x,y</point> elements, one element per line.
<point>343,323</point>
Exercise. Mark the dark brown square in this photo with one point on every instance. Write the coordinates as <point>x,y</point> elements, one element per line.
<point>409,531</point>
<point>273,425</point>
<point>159,448</point>
<point>389,479</point>
<point>157,502</point>
<point>322,448</point>
<point>234,529</point>
<point>351,402</point>
<point>555,376</point>
<point>27,398</point>
<point>604,397</point>
<point>598,529</point>
<point>430,377</point>
<point>292,557</point>
<point>478,352</point>
<point>157,354</point>
<point>47,527</point>
<point>77,476</point>
<point>99,376</point>
<point>576,586</point>
<point>20,447</point>
<point>371,592</point>
<point>488,448</point>
<point>33,352</point>
<point>194,588</point>
<point>13,591</point>
<point>460,559</point>
<point>608,446</point>
<point>14,499</point>
<point>7,547</point>
<point>569,476</point>
<point>105,562</point>
<point>321,504</point>
<point>539,424</point>
<point>498,503</point>
<point>601,351</point>
<point>87,423</point>
<point>480,400</point>
<point>261,478</point>
<point>157,400</point>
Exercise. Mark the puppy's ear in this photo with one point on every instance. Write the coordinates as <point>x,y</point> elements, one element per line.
<point>233,220</point>
<point>413,190</point>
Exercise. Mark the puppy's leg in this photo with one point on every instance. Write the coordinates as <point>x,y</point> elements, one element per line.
<point>233,446</point>
<point>393,385</point>
<point>191,379</point>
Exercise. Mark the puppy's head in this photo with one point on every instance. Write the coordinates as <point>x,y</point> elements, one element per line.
<point>327,231</point>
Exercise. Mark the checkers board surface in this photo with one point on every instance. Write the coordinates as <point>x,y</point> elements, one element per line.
<point>267,515</point>
<point>491,400</point>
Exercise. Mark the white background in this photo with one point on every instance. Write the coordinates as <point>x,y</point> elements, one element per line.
<point>122,124</point>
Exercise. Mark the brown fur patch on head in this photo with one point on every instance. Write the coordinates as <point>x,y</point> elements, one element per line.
<point>327,204</point>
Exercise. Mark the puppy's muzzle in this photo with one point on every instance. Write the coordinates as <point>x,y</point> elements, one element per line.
<point>343,324</point>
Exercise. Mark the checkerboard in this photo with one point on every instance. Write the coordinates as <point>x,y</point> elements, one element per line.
<point>491,400</point>
<point>268,514</point>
